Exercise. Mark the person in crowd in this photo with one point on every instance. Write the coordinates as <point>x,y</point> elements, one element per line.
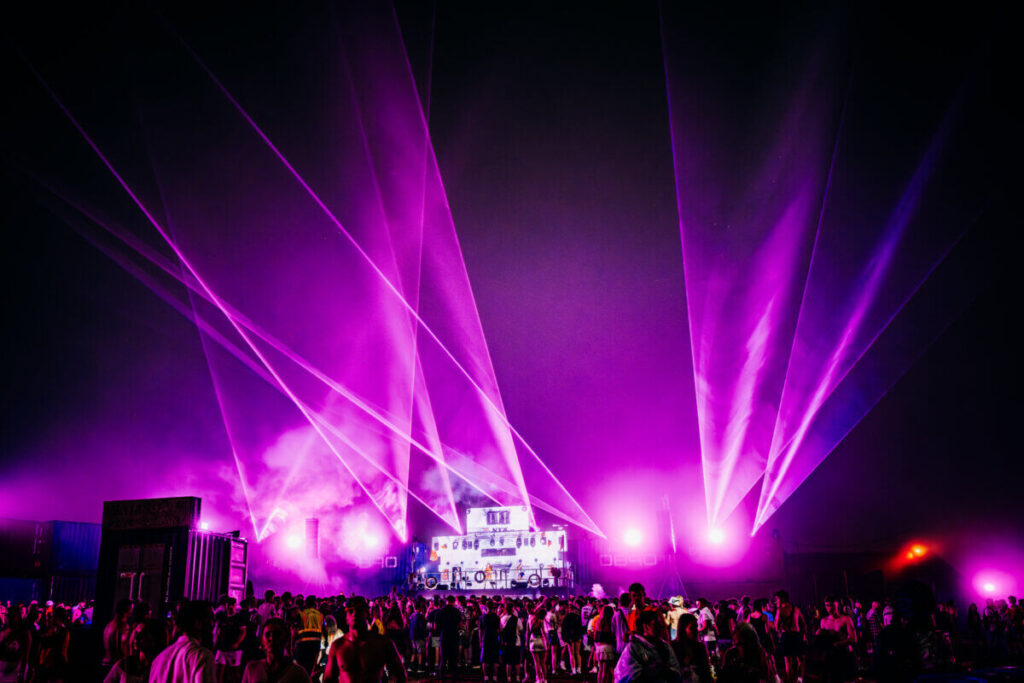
<point>674,610</point>
<point>605,651</point>
<point>638,600</point>
<point>394,628</point>
<point>746,661</point>
<point>115,633</point>
<point>537,634</point>
<point>648,657</point>
<point>276,666</point>
<point>448,623</point>
<point>838,636</point>
<point>744,608</point>
<point>229,635</point>
<point>187,660</point>
<point>511,642</point>
<point>758,620</point>
<point>418,635</point>
<point>15,646</point>
<point>146,640</point>
<point>691,652</point>
<point>51,650</point>
<point>306,646</point>
<point>620,622</point>
<point>873,618</point>
<point>552,624</point>
<point>791,629</point>
<point>363,654</point>
<point>572,635</point>
<point>490,640</point>
<point>267,609</point>
<point>331,634</point>
<point>725,624</point>
<point>706,626</point>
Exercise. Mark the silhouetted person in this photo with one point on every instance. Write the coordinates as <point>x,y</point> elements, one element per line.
<point>276,666</point>
<point>360,656</point>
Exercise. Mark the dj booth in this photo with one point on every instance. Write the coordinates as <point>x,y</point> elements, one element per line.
<point>499,552</point>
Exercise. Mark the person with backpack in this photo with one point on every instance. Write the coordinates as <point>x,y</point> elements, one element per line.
<point>511,640</point>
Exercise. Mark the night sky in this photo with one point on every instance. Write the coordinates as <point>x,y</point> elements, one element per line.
<point>551,130</point>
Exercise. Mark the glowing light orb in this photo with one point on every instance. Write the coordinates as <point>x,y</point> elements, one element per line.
<point>205,526</point>
<point>633,537</point>
<point>293,541</point>
<point>992,582</point>
<point>716,536</point>
<point>919,550</point>
<point>371,540</point>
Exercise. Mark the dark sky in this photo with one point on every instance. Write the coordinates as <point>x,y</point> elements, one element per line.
<point>551,130</point>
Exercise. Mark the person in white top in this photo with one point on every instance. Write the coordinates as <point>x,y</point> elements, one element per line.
<point>267,609</point>
<point>186,660</point>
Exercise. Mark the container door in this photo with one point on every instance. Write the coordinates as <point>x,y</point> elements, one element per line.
<point>127,573</point>
<point>152,576</point>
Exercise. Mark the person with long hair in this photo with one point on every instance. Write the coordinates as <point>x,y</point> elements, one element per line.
<point>146,640</point>
<point>605,652</point>
<point>690,650</point>
<point>537,632</point>
<point>746,661</point>
<point>331,634</point>
<point>394,628</point>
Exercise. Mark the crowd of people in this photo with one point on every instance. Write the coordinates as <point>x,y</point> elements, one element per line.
<point>519,639</point>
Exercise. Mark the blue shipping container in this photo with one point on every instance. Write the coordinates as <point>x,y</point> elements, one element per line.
<point>75,548</point>
<point>19,590</point>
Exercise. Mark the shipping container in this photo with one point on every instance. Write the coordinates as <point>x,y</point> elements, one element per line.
<point>24,547</point>
<point>153,551</point>
<point>74,548</point>
<point>20,590</point>
<point>216,566</point>
<point>70,590</point>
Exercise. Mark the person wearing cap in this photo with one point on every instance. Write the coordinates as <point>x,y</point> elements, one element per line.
<point>362,654</point>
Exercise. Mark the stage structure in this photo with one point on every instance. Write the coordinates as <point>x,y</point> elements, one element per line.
<point>499,551</point>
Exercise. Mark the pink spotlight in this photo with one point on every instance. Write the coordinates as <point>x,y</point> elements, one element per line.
<point>205,526</point>
<point>293,541</point>
<point>633,537</point>
<point>716,536</point>
<point>991,582</point>
<point>372,540</point>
